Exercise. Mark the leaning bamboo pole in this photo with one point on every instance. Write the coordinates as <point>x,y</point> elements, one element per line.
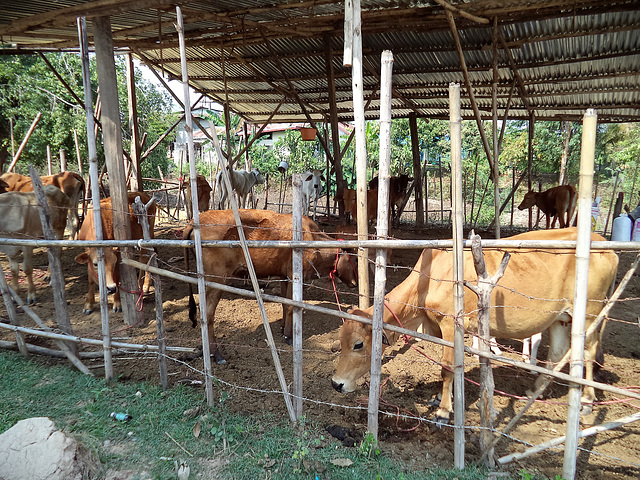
<point>458,272</point>
<point>587,156</point>
<point>11,311</point>
<point>382,231</point>
<point>95,195</point>
<point>196,214</point>
<point>24,141</point>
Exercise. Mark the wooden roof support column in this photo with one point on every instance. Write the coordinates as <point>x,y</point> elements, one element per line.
<point>136,147</point>
<point>417,171</point>
<point>467,82</point>
<point>113,156</point>
<point>496,146</point>
<point>336,158</point>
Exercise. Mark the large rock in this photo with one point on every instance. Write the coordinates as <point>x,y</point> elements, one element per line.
<point>34,449</point>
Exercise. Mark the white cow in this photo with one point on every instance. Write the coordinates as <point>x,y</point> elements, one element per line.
<point>241,182</point>
<point>19,218</point>
<point>311,188</point>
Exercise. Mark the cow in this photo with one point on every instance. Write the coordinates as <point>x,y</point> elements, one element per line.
<point>111,255</point>
<point>532,296</point>
<point>397,190</point>
<point>241,182</point>
<point>70,183</point>
<point>20,218</point>
<point>349,199</point>
<point>311,189</point>
<point>372,207</point>
<point>222,263</point>
<point>557,202</point>
<point>204,193</point>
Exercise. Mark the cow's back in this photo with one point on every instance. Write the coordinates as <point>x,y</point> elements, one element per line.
<point>537,286</point>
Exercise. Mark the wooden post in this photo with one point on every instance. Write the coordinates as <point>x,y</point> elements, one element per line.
<point>583,249</point>
<point>113,155</point>
<point>296,280</point>
<point>55,266</point>
<point>483,291</point>
<point>24,141</point>
<point>11,311</point>
<point>63,160</point>
<point>417,170</point>
<point>361,156</point>
<point>382,231</point>
<point>202,298</point>
<point>142,212</point>
<point>532,119</point>
<point>49,161</point>
<point>458,273</point>
<point>136,147</point>
<point>78,156</point>
<point>496,147</point>
<point>95,195</point>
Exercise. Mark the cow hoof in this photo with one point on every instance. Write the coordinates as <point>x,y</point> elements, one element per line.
<point>288,340</point>
<point>434,402</point>
<point>31,301</point>
<point>439,421</point>
<point>586,409</point>
<point>87,311</point>
<point>117,309</point>
<point>219,359</point>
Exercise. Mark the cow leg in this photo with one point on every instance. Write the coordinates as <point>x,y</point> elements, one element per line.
<point>286,290</point>
<point>559,343</point>
<point>589,393</point>
<point>27,267</point>
<point>446,404</point>
<point>146,285</point>
<point>530,348</point>
<point>213,298</point>
<point>117,304</point>
<point>14,266</point>
<point>91,294</point>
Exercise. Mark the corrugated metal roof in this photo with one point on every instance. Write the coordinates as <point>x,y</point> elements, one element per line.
<point>562,59</point>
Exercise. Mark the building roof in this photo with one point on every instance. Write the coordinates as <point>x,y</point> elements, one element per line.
<point>554,59</point>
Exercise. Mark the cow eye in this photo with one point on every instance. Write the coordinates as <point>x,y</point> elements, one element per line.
<point>358,346</point>
<point>95,264</point>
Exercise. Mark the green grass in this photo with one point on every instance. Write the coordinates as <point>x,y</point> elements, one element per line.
<point>227,447</point>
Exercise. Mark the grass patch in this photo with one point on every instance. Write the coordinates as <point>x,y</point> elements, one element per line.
<point>177,425</point>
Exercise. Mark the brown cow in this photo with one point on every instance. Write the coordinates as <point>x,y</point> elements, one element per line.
<point>534,295</point>
<point>204,193</point>
<point>111,255</point>
<point>222,263</point>
<point>397,190</point>
<point>559,202</point>
<point>70,183</point>
<point>20,218</point>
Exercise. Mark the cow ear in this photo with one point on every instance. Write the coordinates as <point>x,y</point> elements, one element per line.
<point>385,339</point>
<point>82,258</point>
<point>309,177</point>
<point>322,178</point>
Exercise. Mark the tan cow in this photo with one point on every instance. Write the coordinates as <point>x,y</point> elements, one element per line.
<point>557,202</point>
<point>535,294</point>
<point>222,263</point>
<point>204,193</point>
<point>20,218</point>
<point>111,255</point>
<point>70,183</point>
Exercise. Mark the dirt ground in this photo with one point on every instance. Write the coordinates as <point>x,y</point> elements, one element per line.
<point>412,379</point>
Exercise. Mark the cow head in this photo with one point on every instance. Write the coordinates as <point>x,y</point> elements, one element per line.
<point>355,353</point>
<point>258,176</point>
<point>346,270</point>
<point>528,201</point>
<point>111,262</point>
<point>204,192</point>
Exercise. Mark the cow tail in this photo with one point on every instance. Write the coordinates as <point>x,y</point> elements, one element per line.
<point>192,301</point>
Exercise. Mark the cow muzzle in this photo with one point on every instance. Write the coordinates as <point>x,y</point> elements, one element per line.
<point>111,289</point>
<point>337,386</point>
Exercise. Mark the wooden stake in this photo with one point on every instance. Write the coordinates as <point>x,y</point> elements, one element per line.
<point>63,160</point>
<point>49,161</point>
<point>11,311</point>
<point>296,280</point>
<point>24,141</point>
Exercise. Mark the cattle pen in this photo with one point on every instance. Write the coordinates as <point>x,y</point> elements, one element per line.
<point>263,370</point>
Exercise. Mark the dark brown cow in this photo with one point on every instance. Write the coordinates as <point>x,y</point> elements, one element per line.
<point>204,194</point>
<point>111,255</point>
<point>222,263</point>
<point>397,190</point>
<point>534,295</point>
<point>70,183</point>
<point>557,202</point>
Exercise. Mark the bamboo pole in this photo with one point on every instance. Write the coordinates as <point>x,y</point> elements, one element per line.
<point>95,195</point>
<point>196,214</point>
<point>51,352</point>
<point>347,55</point>
<point>458,273</point>
<point>494,125</point>
<point>49,161</point>
<point>11,311</point>
<point>361,156</point>
<point>296,280</point>
<point>78,155</point>
<point>587,156</point>
<point>382,231</point>
<point>63,160</point>
<point>24,141</point>
<point>142,212</point>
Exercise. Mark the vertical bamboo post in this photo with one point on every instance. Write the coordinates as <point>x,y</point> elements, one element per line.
<point>296,279</point>
<point>532,119</point>
<point>95,194</point>
<point>78,155</point>
<point>347,56</point>
<point>458,273</point>
<point>496,148</point>
<point>63,160</point>
<point>583,248</point>
<point>142,212</point>
<point>382,231</point>
<point>49,161</point>
<point>361,156</point>
<point>196,213</point>
<point>13,141</point>
<point>136,144</point>
<point>13,316</point>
